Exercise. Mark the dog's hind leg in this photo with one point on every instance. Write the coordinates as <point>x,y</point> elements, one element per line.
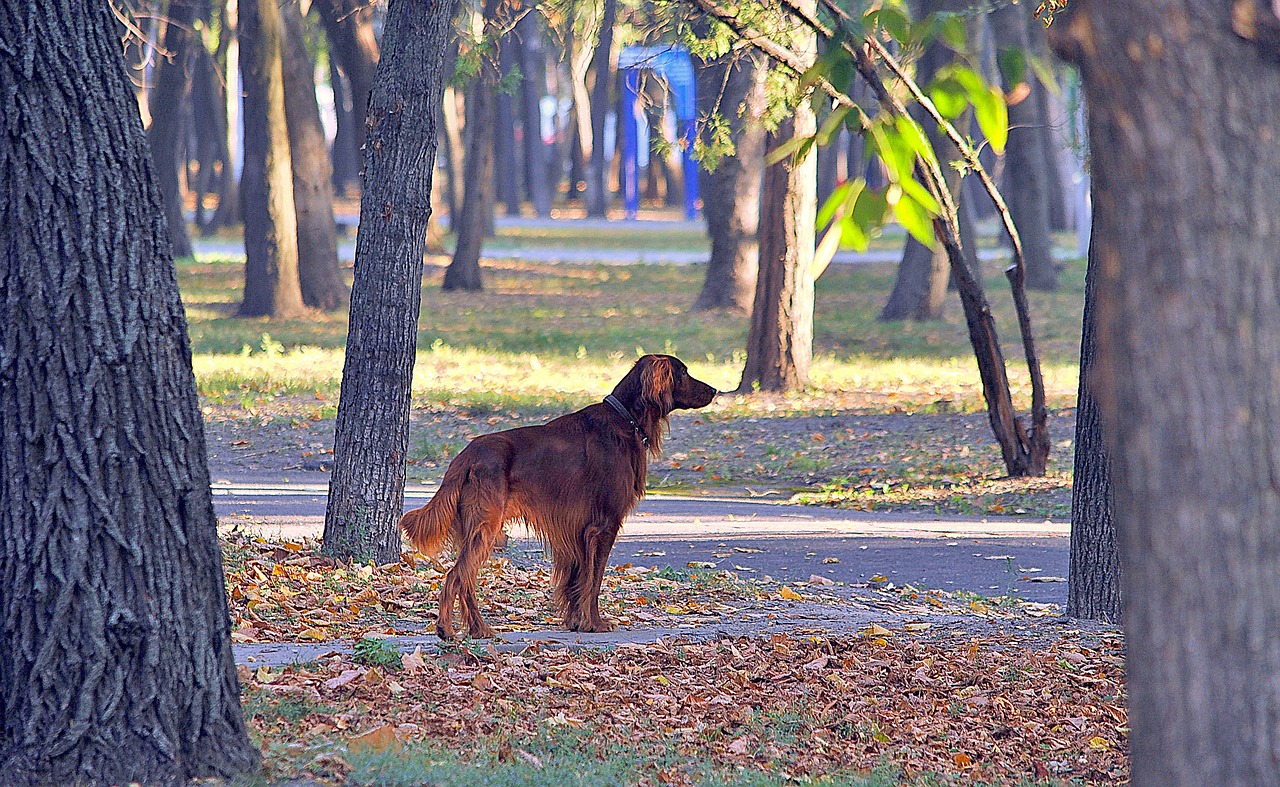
<point>480,512</point>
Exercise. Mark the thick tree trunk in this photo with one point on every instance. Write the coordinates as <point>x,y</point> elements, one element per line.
<point>115,641</point>
<point>463,272</point>
<point>528,40</point>
<point>1093,585</point>
<point>1185,240</point>
<point>1026,180</point>
<point>319,277</point>
<point>597,193</point>
<point>271,286</point>
<point>366,490</point>
<point>731,192</point>
<point>166,102</point>
<point>780,339</point>
<point>348,24</point>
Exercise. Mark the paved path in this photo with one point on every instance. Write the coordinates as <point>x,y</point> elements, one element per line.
<point>992,556</point>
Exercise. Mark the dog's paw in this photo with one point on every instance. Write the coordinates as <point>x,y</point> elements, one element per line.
<point>482,631</point>
<point>445,631</point>
<point>599,626</point>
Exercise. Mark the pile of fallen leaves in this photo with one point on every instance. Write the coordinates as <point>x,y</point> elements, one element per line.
<point>286,591</point>
<point>974,708</point>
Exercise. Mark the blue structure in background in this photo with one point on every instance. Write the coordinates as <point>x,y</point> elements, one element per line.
<point>674,66</point>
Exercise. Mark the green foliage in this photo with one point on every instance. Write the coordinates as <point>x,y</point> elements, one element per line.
<point>376,653</point>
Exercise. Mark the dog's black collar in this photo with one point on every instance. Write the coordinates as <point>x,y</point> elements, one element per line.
<point>613,402</point>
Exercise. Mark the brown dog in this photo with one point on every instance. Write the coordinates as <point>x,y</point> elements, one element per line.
<point>572,481</point>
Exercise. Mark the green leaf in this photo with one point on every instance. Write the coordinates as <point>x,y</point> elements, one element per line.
<point>831,126</point>
<point>954,31</point>
<point>948,97</point>
<point>913,217</point>
<point>1012,62</point>
<point>915,138</point>
<point>841,201</point>
<point>852,236</point>
<point>921,195</point>
<point>992,115</point>
<point>892,20</point>
<point>797,146</point>
<point>869,210</point>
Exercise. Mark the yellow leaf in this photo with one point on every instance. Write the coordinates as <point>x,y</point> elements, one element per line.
<point>264,675</point>
<point>789,594</point>
<point>674,610</point>
<point>314,634</point>
<point>1097,742</point>
<point>879,578</point>
<point>876,630</point>
<point>663,680</point>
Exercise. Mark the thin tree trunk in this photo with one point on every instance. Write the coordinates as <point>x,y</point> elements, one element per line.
<point>1185,237</point>
<point>228,213</point>
<point>271,286</point>
<point>920,290</point>
<point>348,24</point>
<point>597,193</point>
<point>344,154</point>
<point>115,640</point>
<point>780,339</point>
<point>210,119</point>
<point>506,175</point>
<point>366,489</point>
<point>1026,180</point>
<point>463,272</point>
<point>168,98</point>
<point>1055,188</point>
<point>319,277</point>
<point>731,191</point>
<point>1093,584</point>
<point>528,40</point>
<point>454,150</point>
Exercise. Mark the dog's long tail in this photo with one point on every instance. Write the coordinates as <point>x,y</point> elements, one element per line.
<point>433,526</point>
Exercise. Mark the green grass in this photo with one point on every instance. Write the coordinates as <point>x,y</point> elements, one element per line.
<point>547,337</point>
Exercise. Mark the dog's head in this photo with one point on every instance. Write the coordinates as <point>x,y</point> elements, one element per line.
<point>661,383</point>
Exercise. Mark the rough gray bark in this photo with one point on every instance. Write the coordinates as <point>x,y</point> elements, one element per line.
<point>597,193</point>
<point>319,276</point>
<point>1093,584</point>
<point>348,24</point>
<point>506,177</point>
<point>1026,180</point>
<point>167,100</point>
<point>731,192</point>
<point>366,489</point>
<point>115,649</point>
<point>780,339</point>
<point>1185,241</point>
<point>271,286</point>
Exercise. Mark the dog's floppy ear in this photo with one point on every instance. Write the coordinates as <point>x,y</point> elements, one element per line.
<point>656,383</point>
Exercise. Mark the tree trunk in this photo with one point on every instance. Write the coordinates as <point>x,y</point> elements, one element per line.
<point>319,277</point>
<point>348,24</point>
<point>115,640</point>
<point>366,489</point>
<point>210,117</point>
<point>920,290</point>
<point>166,102</point>
<point>1093,586</point>
<point>271,286</point>
<point>451,126</point>
<point>1185,240</point>
<point>228,212</point>
<point>731,191</point>
<point>528,40</point>
<point>1055,188</point>
<point>780,340</point>
<point>597,193</point>
<point>463,272</point>
<point>1026,180</point>
<point>506,178</point>
<point>344,154</point>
